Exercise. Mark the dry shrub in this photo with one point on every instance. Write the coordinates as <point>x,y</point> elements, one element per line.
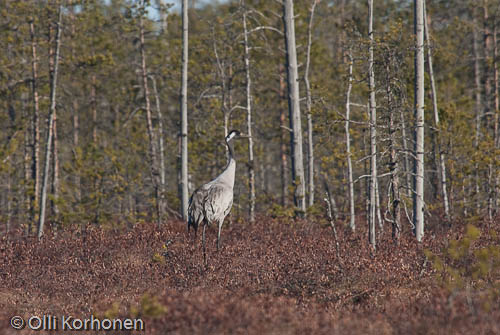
<point>269,278</point>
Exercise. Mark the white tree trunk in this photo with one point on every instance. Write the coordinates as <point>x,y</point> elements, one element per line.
<point>418,196</point>
<point>442,158</point>
<point>184,192</point>
<point>50,127</point>
<point>352,215</point>
<point>35,168</point>
<point>251,170</point>
<point>310,144</point>
<point>373,132</point>
<point>294,108</point>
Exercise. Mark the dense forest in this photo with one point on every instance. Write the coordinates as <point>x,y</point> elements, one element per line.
<point>102,168</point>
<point>377,120</point>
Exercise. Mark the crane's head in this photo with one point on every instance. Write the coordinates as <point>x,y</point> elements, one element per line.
<point>232,134</point>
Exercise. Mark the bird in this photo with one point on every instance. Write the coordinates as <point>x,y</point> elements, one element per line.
<point>212,201</point>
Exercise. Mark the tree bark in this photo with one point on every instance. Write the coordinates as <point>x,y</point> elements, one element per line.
<point>418,169</point>
<point>352,215</point>
<point>153,159</point>
<point>183,183</point>
<point>373,132</point>
<point>53,87</point>
<point>161,146</point>
<point>442,165</point>
<point>310,144</point>
<point>283,141</point>
<point>478,103</point>
<point>35,128</point>
<point>393,163</point>
<point>251,170</point>
<point>294,109</point>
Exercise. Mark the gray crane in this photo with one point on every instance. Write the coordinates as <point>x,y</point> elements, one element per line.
<point>213,201</point>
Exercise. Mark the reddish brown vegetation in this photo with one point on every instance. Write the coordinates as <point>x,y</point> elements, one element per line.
<point>269,278</point>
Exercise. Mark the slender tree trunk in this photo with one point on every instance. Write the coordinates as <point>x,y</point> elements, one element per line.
<point>310,144</point>
<point>393,164</point>
<point>406,160</point>
<point>161,148</point>
<point>55,150</point>
<point>55,169</point>
<point>184,120</point>
<point>478,105</point>
<point>418,169</point>
<point>153,159</point>
<point>379,212</point>
<point>442,165</point>
<point>53,87</point>
<point>488,97</point>
<point>496,135</point>
<point>294,109</point>
<point>283,141</point>
<point>76,135</point>
<point>352,215</point>
<point>373,132</point>
<point>251,170</point>
<point>35,128</point>
<point>93,104</point>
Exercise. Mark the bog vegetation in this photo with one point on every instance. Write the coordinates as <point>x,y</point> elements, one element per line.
<point>352,213</point>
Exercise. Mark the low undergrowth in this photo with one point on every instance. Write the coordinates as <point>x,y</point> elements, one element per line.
<point>270,277</point>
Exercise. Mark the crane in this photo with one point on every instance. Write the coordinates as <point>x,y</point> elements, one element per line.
<point>212,201</point>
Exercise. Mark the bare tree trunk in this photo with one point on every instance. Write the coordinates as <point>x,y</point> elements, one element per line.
<point>283,139</point>
<point>184,120</point>
<point>310,144</point>
<point>442,165</point>
<point>478,106</point>
<point>294,109</point>
<point>93,104</point>
<point>487,100</point>
<point>55,169</point>
<point>352,214</point>
<point>53,86</point>
<point>379,212</point>
<point>153,159</point>
<point>161,147</point>
<point>496,135</point>
<point>251,170</point>
<point>418,197</point>
<point>373,132</point>
<point>393,164</point>
<point>406,160</point>
<point>76,135</point>
<point>35,128</point>
<point>55,153</point>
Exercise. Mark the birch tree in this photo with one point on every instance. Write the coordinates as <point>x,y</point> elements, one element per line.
<point>352,217</point>
<point>251,170</point>
<point>418,167</point>
<point>373,131</point>
<point>310,144</point>
<point>35,127</point>
<point>440,154</point>
<point>183,133</point>
<point>50,127</point>
<point>153,158</point>
<point>294,108</point>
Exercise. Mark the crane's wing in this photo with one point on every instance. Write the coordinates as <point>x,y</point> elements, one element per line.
<point>218,202</point>
<point>196,210</point>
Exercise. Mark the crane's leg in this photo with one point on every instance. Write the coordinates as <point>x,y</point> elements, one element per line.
<point>218,234</point>
<point>204,250</point>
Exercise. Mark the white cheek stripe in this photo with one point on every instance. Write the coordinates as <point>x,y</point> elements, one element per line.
<point>230,137</point>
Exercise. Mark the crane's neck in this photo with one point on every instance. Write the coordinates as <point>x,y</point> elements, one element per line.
<point>228,174</point>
